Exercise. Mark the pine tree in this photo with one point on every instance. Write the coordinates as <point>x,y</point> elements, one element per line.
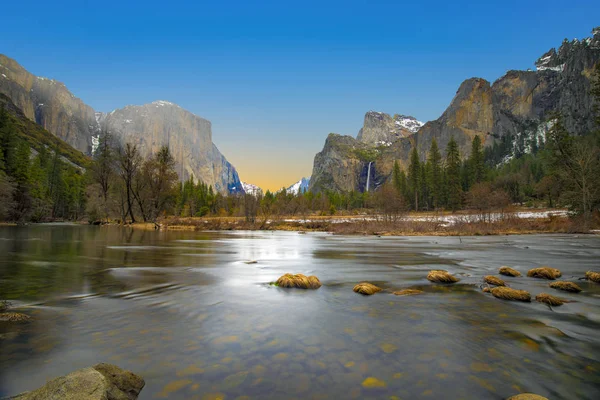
<point>453,175</point>
<point>476,162</point>
<point>435,173</point>
<point>414,172</point>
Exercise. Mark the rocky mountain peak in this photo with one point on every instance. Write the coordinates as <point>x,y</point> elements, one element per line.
<point>380,129</point>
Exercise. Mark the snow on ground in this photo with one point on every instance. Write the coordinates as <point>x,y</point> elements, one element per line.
<point>449,220</point>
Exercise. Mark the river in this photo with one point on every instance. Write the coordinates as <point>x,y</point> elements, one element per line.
<point>188,313</point>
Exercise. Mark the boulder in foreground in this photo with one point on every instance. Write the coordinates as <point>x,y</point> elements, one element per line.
<point>14,317</point>
<point>566,286</point>
<point>544,273</point>
<point>506,293</point>
<point>100,382</point>
<point>298,281</point>
<point>593,276</point>
<point>508,271</point>
<point>366,288</point>
<point>441,276</point>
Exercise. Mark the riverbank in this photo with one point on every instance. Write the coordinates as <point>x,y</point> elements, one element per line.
<point>524,221</point>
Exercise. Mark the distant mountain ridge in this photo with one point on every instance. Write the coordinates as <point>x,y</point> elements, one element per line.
<point>299,187</point>
<point>517,107</point>
<point>189,137</point>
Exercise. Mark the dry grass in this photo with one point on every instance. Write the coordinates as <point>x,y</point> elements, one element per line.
<point>299,281</point>
<point>593,276</point>
<point>506,293</point>
<point>14,317</point>
<point>544,273</point>
<point>494,280</point>
<point>508,271</point>
<point>566,286</point>
<point>549,299</point>
<point>441,276</point>
<point>408,292</point>
<point>366,288</point>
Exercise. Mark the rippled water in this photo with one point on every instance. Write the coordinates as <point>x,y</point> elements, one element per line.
<point>186,312</point>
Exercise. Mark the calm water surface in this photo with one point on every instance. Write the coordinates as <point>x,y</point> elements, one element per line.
<point>186,312</point>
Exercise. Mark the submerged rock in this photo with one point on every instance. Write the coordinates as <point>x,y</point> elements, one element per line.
<point>549,299</point>
<point>14,317</point>
<point>506,293</point>
<point>100,382</point>
<point>441,276</point>
<point>373,383</point>
<point>544,273</point>
<point>493,280</point>
<point>593,276</point>
<point>299,281</point>
<point>366,288</point>
<point>508,271</point>
<point>566,286</point>
<point>527,396</point>
<point>408,292</point>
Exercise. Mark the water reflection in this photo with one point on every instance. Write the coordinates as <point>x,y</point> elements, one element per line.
<point>187,312</point>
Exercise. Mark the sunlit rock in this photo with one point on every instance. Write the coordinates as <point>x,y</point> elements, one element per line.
<point>506,293</point>
<point>549,299</point>
<point>544,273</point>
<point>593,276</point>
<point>299,281</point>
<point>494,280</point>
<point>508,271</point>
<point>441,276</point>
<point>366,288</point>
<point>566,286</point>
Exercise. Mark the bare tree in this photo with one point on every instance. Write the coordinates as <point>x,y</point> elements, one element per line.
<point>129,163</point>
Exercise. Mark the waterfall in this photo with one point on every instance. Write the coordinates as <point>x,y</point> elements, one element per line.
<point>368,175</point>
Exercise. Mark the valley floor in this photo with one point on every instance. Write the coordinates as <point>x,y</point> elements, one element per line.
<point>465,223</point>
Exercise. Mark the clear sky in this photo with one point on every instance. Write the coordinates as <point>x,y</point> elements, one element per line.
<point>276,77</point>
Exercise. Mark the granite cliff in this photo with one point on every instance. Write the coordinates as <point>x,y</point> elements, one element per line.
<point>50,104</point>
<point>518,108</point>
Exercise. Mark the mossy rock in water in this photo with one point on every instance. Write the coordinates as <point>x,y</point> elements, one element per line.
<point>494,280</point>
<point>408,292</point>
<point>299,281</point>
<point>441,276</point>
<point>366,288</point>
<point>527,396</point>
<point>506,293</point>
<point>508,271</point>
<point>549,299</point>
<point>544,273</point>
<point>593,276</point>
<point>14,317</point>
<point>100,382</point>
<point>566,286</point>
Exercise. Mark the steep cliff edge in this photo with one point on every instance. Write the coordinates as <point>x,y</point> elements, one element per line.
<point>518,107</point>
<point>48,103</point>
<point>188,136</point>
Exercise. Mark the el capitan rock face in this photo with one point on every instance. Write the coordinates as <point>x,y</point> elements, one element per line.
<point>517,107</point>
<point>50,104</point>
<point>188,136</point>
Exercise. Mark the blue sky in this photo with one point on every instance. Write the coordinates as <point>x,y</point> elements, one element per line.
<point>276,77</point>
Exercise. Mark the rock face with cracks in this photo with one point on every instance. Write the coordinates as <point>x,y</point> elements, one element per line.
<point>508,271</point>
<point>506,293</point>
<point>299,281</point>
<point>441,276</point>
<point>366,288</point>
<point>566,286</point>
<point>100,382</point>
<point>494,280</point>
<point>544,273</point>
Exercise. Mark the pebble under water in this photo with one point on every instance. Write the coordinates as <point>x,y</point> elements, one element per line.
<point>186,311</point>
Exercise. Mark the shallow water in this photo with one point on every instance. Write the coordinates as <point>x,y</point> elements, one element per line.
<point>186,312</point>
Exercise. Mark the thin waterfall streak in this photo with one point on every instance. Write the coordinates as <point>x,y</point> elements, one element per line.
<point>369,175</point>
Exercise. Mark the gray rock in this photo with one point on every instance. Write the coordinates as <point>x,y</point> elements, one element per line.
<point>100,382</point>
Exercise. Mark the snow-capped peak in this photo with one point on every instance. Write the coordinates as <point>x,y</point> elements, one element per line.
<point>249,188</point>
<point>163,103</point>
<point>299,187</point>
<point>409,123</point>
